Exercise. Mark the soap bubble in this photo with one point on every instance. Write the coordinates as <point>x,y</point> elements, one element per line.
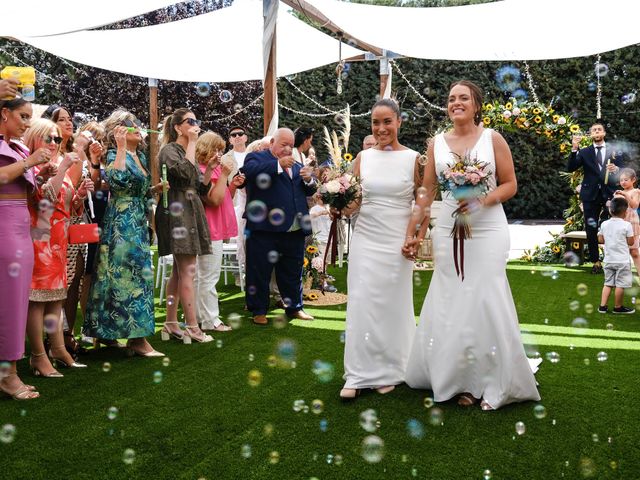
<point>415,428</point>
<point>571,259</point>
<point>251,357</point>
<point>157,376</point>
<point>274,457</point>
<point>176,209</point>
<point>595,438</point>
<point>106,367</point>
<point>273,256</point>
<point>428,402</point>
<point>298,405</point>
<point>254,378</point>
<point>404,116</point>
<point>129,456</point>
<point>51,322</point>
<point>112,413</point>
<point>574,305</point>
<point>276,217</point>
<point>317,406</point>
<point>601,69</point>
<point>582,289</point>
<point>14,269</point>
<point>286,351</point>
<point>587,467</point>
<point>609,326</point>
<point>256,211</point>
<point>436,416</point>
<point>520,428</point>
<point>579,322</point>
<point>245,451</point>
<point>166,361</point>
<point>179,233</point>
<point>272,361</point>
<point>553,357</point>
<point>588,308</point>
<point>263,181</point>
<point>369,420</point>
<point>324,371</point>
<point>539,412</point>
<point>219,343</point>
<point>372,449</point>
<point>324,424</point>
<point>203,89</point>
<point>7,433</point>
<point>602,356</point>
<point>234,320</point>
<point>628,98</point>
<point>225,96</point>
<point>486,475</point>
<point>237,108</point>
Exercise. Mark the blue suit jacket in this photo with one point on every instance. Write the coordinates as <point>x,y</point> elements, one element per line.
<point>593,185</point>
<point>286,193</point>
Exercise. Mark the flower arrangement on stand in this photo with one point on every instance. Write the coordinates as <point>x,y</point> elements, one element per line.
<point>312,274</point>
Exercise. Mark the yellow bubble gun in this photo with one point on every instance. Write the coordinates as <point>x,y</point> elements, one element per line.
<point>26,78</point>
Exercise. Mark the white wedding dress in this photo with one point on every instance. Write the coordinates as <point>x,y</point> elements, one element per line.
<point>468,338</point>
<point>380,317</point>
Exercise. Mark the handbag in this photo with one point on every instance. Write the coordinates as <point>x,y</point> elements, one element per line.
<point>84,233</point>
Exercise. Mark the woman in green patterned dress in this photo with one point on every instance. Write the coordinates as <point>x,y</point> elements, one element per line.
<point>121,297</point>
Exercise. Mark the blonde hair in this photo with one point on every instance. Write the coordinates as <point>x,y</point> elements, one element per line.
<point>39,129</point>
<point>208,143</point>
<point>114,120</point>
<point>256,144</point>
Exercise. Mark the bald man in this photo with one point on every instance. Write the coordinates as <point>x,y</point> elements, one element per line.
<point>277,222</point>
<point>368,142</point>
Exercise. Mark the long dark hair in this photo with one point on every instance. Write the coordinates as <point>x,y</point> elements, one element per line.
<point>387,102</point>
<point>55,115</point>
<point>169,133</point>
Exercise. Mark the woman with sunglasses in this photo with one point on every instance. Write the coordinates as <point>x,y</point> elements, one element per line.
<point>17,182</point>
<point>121,297</point>
<point>51,208</point>
<point>181,227</point>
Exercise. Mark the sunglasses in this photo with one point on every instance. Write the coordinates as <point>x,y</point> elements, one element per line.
<point>132,124</point>
<point>236,134</point>
<point>50,139</point>
<point>192,121</point>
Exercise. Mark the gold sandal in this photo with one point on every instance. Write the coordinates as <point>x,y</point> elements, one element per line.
<point>23,392</point>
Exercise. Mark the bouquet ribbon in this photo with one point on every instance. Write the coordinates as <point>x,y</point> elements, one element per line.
<point>332,244</point>
<point>461,230</point>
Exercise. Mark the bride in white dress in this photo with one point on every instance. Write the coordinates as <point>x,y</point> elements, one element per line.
<point>380,318</point>
<point>468,340</point>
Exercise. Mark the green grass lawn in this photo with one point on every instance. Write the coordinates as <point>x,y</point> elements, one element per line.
<point>204,420</point>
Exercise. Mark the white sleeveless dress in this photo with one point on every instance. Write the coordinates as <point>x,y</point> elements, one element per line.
<point>468,338</point>
<point>380,317</point>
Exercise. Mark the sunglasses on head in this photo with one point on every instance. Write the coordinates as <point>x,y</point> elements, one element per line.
<point>50,139</point>
<point>192,121</point>
<point>132,123</point>
<point>236,134</point>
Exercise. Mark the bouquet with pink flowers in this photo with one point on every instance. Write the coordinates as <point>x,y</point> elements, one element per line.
<point>466,179</point>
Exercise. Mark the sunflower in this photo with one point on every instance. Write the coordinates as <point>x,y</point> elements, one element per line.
<point>525,110</point>
<point>486,120</point>
<point>556,249</point>
<point>347,157</point>
<point>569,221</point>
<point>312,296</point>
<point>508,106</point>
<point>574,128</point>
<point>576,245</point>
<point>488,107</point>
<point>305,263</point>
<point>312,249</point>
<point>536,111</point>
<point>556,118</point>
<point>563,147</point>
<point>537,118</point>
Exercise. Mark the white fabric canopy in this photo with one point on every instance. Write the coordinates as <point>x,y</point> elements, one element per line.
<point>506,30</point>
<point>45,17</point>
<point>220,46</point>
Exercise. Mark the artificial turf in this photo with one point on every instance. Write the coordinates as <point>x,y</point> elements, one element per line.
<point>204,419</point>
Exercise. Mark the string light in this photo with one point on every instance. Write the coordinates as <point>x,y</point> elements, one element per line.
<point>319,105</point>
<point>598,90</point>
<point>531,85</point>
<point>306,114</point>
<point>419,95</point>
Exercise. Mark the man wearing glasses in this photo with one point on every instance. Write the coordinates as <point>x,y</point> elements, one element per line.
<point>238,141</point>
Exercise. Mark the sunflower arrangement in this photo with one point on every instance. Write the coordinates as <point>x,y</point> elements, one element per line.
<point>517,115</point>
<point>312,263</point>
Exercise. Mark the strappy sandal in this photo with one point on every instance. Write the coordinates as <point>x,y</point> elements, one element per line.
<point>23,392</point>
<point>166,334</point>
<point>222,328</point>
<point>188,335</point>
<point>466,400</point>
<point>484,405</point>
<point>349,394</point>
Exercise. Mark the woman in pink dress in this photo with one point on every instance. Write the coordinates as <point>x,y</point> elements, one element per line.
<point>17,182</point>
<point>51,209</point>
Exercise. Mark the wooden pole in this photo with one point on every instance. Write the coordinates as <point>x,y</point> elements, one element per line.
<point>270,87</point>
<point>153,125</point>
<point>384,74</point>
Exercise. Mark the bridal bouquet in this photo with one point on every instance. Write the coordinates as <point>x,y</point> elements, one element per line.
<point>466,179</point>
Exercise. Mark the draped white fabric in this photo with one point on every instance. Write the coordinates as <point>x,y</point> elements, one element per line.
<point>41,17</point>
<point>505,30</point>
<point>220,46</point>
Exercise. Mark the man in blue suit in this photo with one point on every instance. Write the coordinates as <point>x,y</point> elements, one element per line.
<point>277,222</point>
<point>596,160</point>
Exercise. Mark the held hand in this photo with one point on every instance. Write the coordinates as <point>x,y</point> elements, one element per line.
<point>612,168</point>
<point>95,151</point>
<point>120,135</point>
<point>8,89</point>
<point>192,133</point>
<point>40,156</point>
<point>411,247</point>
<point>306,173</point>
<point>226,166</point>
<point>85,187</point>
<point>575,142</point>
<point>239,180</point>
<point>69,160</point>
<point>286,162</point>
<point>470,205</point>
<point>48,170</point>
<point>81,142</point>
<point>160,187</point>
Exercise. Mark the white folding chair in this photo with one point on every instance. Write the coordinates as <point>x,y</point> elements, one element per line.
<point>230,263</point>
<point>165,266</point>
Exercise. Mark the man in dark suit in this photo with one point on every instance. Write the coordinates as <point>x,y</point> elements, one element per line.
<point>596,160</point>
<point>277,222</point>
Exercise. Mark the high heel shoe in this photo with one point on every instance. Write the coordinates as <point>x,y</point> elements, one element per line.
<point>23,392</point>
<point>132,352</point>
<point>64,363</point>
<point>166,334</point>
<point>484,405</point>
<point>349,394</point>
<point>38,373</point>
<point>188,336</point>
